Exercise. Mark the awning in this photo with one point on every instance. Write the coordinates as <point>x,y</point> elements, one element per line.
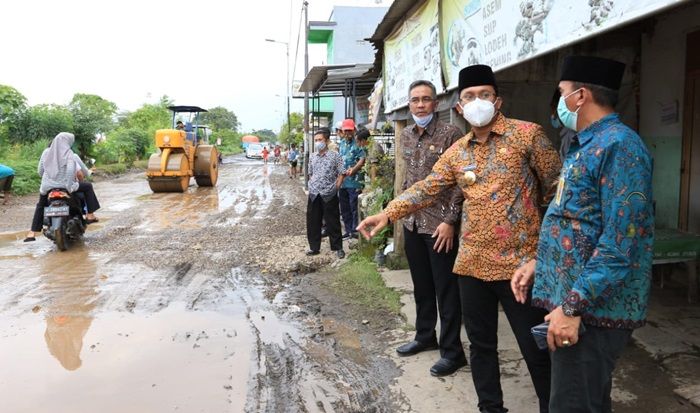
<point>341,80</point>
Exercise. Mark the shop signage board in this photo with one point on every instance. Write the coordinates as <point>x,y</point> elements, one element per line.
<point>412,52</point>
<point>502,33</point>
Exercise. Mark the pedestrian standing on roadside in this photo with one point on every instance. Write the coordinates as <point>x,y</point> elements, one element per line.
<point>362,138</point>
<point>292,157</point>
<point>277,153</point>
<point>596,246</point>
<point>7,175</point>
<point>326,173</point>
<point>506,169</point>
<point>353,161</point>
<point>431,235</point>
<point>265,153</point>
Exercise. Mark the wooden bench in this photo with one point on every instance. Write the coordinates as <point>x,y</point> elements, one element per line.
<point>675,246</point>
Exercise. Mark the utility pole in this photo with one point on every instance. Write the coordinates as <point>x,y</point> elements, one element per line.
<point>289,86</point>
<point>289,126</point>
<point>308,142</point>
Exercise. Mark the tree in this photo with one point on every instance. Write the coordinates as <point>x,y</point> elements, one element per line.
<point>220,118</point>
<point>92,115</point>
<point>11,102</point>
<point>265,135</point>
<point>297,129</point>
<point>230,141</point>
<point>149,117</point>
<point>123,145</point>
<point>133,137</point>
<point>39,122</point>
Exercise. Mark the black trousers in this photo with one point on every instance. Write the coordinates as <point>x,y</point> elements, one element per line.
<point>90,198</point>
<point>582,373</point>
<point>38,218</point>
<point>84,188</point>
<point>480,311</point>
<point>319,211</point>
<point>435,289</point>
<point>6,183</point>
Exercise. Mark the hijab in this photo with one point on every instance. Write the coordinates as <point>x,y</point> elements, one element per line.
<point>59,154</point>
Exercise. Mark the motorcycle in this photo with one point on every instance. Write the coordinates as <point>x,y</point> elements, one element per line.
<point>63,218</point>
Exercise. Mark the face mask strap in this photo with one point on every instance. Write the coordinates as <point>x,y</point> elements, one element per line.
<point>567,96</point>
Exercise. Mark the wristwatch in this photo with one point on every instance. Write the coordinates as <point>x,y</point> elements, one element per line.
<point>570,310</point>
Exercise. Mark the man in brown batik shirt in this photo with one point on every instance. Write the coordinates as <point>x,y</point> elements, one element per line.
<point>431,235</point>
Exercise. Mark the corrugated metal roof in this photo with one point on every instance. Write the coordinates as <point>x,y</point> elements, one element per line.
<point>336,78</point>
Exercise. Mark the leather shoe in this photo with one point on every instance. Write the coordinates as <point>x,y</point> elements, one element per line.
<point>445,367</point>
<point>312,252</point>
<point>415,347</point>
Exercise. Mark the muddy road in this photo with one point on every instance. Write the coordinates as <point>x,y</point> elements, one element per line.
<point>205,302</point>
<point>180,302</point>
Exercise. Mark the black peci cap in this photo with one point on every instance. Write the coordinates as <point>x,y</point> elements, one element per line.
<point>476,75</point>
<point>593,70</point>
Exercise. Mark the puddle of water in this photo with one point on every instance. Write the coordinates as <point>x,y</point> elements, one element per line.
<point>69,340</point>
<point>9,239</point>
<point>62,344</point>
<point>115,362</point>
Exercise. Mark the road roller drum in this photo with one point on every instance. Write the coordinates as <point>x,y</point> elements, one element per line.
<point>206,165</point>
<point>175,178</point>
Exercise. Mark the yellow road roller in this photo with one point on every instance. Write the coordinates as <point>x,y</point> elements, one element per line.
<point>183,152</point>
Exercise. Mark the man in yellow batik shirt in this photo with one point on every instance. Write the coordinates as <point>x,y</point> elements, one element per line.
<point>506,169</point>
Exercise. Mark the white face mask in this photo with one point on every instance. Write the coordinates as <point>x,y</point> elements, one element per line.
<point>478,112</point>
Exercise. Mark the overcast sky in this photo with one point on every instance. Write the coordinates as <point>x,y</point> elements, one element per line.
<point>204,52</point>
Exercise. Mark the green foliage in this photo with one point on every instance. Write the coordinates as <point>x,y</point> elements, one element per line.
<point>92,115</point>
<point>133,138</point>
<point>265,135</point>
<point>120,168</point>
<point>11,102</point>
<point>24,160</point>
<point>220,118</point>
<point>360,282</point>
<point>112,169</point>
<point>26,180</point>
<point>123,145</point>
<point>39,122</point>
<point>149,117</point>
<point>31,151</point>
<point>296,120</point>
<point>230,141</point>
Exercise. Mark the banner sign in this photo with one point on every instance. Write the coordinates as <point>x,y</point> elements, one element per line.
<point>502,33</point>
<point>375,102</point>
<point>412,52</point>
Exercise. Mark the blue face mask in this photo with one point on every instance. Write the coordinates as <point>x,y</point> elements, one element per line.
<point>320,146</point>
<point>554,120</point>
<point>568,118</point>
<point>422,121</point>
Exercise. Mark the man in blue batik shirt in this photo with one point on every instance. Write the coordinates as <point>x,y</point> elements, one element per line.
<point>596,242</point>
<point>353,160</point>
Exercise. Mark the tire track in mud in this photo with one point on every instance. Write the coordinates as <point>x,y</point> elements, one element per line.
<point>335,370</point>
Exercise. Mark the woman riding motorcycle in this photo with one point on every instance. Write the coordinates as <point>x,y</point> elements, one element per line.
<point>60,167</point>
